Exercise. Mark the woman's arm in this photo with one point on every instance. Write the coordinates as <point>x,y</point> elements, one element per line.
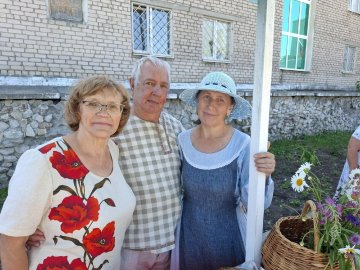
<point>265,163</point>
<point>29,197</point>
<point>352,153</point>
<point>13,253</point>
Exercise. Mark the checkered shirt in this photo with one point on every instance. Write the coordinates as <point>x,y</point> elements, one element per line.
<point>153,174</point>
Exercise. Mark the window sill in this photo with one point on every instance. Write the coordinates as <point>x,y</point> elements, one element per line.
<point>217,61</point>
<point>296,70</point>
<point>345,72</point>
<point>156,55</point>
<point>354,11</point>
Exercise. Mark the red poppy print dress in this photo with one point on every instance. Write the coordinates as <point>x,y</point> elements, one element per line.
<point>83,216</point>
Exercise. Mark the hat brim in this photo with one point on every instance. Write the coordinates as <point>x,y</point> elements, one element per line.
<point>241,109</point>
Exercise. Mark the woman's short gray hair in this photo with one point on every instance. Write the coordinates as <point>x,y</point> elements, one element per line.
<point>159,63</point>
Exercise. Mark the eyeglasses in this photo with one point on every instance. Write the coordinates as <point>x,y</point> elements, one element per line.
<point>97,107</point>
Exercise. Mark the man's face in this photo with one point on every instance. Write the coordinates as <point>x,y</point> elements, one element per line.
<point>149,95</point>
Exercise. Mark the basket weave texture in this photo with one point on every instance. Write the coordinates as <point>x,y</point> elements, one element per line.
<point>282,251</point>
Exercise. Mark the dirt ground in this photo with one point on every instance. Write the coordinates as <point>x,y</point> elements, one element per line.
<point>287,202</point>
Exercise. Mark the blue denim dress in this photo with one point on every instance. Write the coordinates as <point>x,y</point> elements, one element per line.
<point>213,186</point>
<point>209,234</point>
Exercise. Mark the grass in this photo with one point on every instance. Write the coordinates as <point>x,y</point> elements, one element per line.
<point>333,143</point>
<point>327,151</point>
<point>3,194</point>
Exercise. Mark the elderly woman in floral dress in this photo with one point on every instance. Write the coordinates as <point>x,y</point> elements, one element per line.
<point>72,188</point>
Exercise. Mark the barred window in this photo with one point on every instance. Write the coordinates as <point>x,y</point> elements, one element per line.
<point>354,5</point>
<point>151,30</point>
<point>295,34</point>
<point>349,59</point>
<point>216,40</point>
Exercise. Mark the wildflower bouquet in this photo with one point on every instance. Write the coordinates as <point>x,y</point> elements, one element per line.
<point>339,218</point>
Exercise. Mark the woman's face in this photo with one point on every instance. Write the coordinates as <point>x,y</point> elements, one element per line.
<point>100,113</point>
<point>213,107</point>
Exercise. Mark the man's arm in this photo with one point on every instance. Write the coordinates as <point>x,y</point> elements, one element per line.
<point>13,253</point>
<point>35,240</point>
<point>352,153</point>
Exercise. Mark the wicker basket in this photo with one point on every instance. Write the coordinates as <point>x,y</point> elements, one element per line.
<point>281,250</point>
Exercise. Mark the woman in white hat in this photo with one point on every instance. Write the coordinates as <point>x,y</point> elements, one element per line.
<point>215,176</point>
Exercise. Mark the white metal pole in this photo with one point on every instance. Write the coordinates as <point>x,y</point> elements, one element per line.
<point>259,126</point>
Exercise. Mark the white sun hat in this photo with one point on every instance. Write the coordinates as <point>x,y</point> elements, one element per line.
<point>223,83</point>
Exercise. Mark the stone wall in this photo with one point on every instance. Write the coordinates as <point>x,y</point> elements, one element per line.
<point>26,122</point>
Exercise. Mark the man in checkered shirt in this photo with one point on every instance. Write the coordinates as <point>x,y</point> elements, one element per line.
<point>149,159</point>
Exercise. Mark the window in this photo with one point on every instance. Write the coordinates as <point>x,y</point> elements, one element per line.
<point>354,5</point>
<point>295,35</point>
<point>216,40</point>
<point>349,59</point>
<point>151,30</point>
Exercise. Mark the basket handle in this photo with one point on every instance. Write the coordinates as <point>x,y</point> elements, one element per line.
<point>310,204</point>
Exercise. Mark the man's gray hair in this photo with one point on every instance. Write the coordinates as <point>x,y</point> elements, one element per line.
<point>135,75</point>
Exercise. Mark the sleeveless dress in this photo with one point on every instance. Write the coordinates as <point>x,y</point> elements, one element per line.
<point>213,185</point>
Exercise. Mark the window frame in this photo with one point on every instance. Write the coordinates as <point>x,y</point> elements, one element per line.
<point>84,13</point>
<point>149,38</point>
<point>346,59</point>
<point>230,40</point>
<point>350,5</point>
<point>308,38</point>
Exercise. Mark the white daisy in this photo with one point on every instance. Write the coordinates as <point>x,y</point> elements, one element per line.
<point>305,168</point>
<point>349,250</point>
<point>298,182</point>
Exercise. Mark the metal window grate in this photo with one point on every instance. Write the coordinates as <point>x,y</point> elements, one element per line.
<point>151,30</point>
<point>349,59</point>
<point>216,40</point>
<point>139,28</point>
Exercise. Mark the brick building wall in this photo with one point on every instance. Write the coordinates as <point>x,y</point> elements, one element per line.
<point>33,44</point>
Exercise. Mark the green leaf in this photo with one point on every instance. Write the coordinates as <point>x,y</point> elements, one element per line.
<point>341,242</point>
<point>357,259</point>
<point>332,257</point>
<point>110,202</point>
<point>55,240</point>
<point>75,241</point>
<point>101,265</point>
<point>99,185</point>
<point>66,188</point>
<point>320,243</point>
